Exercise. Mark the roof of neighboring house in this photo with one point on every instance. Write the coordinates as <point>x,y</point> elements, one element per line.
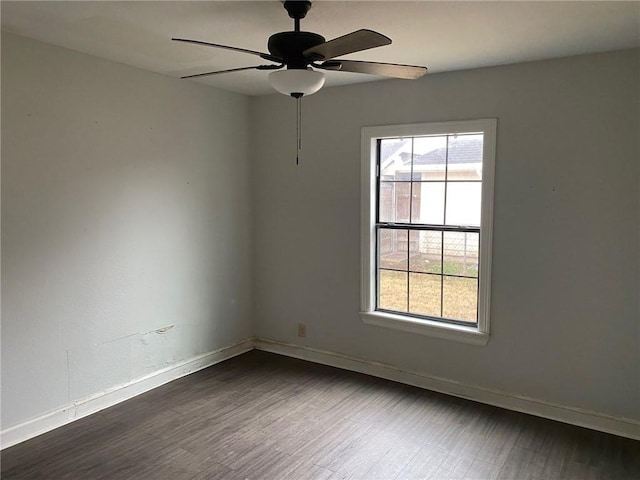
<point>392,148</point>
<point>461,150</point>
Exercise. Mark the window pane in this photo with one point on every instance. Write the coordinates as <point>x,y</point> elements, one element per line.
<point>424,294</point>
<point>395,157</point>
<point>429,158</point>
<point>428,199</point>
<point>461,253</point>
<point>394,201</point>
<point>425,253</point>
<point>465,157</point>
<point>392,249</point>
<point>463,203</point>
<point>392,290</point>
<point>385,201</point>
<point>407,176</point>
<point>460,299</point>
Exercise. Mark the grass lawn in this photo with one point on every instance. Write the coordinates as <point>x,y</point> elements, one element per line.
<point>459,295</point>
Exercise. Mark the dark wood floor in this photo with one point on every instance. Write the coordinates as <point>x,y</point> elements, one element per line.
<point>263,416</point>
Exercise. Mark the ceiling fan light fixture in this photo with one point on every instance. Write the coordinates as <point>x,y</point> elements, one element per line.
<point>297,82</point>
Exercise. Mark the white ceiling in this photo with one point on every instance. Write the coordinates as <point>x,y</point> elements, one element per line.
<point>444,36</point>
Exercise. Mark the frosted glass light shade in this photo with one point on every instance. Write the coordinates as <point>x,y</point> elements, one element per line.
<point>297,81</point>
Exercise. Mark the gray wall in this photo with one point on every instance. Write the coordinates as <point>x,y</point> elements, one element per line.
<point>565,318</point>
<point>125,209</point>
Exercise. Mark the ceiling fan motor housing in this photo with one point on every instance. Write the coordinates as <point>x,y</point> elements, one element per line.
<point>290,45</point>
<point>297,9</point>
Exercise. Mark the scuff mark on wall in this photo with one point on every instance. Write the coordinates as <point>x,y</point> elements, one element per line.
<point>161,347</point>
<point>124,337</point>
<point>164,329</point>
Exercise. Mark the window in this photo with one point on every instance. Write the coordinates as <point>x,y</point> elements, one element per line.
<point>427,203</point>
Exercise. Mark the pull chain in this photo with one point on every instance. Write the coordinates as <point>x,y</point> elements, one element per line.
<point>298,128</point>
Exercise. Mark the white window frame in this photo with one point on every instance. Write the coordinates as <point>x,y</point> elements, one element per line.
<point>477,334</point>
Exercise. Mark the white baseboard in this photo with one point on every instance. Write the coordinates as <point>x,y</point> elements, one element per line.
<point>95,403</point>
<point>624,427</point>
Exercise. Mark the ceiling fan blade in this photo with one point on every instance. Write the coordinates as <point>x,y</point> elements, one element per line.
<point>265,56</point>
<point>409,72</point>
<point>349,43</point>
<point>256,67</point>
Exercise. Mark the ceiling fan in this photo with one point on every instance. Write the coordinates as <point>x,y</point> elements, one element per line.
<point>303,52</point>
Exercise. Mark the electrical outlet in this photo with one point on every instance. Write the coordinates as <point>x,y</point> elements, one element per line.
<point>302,330</point>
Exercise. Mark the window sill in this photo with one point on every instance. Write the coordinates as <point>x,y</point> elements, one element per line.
<point>446,331</point>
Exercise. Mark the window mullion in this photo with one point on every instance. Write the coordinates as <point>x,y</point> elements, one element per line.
<point>444,217</point>
<point>424,226</point>
<point>408,230</point>
<point>408,276</point>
